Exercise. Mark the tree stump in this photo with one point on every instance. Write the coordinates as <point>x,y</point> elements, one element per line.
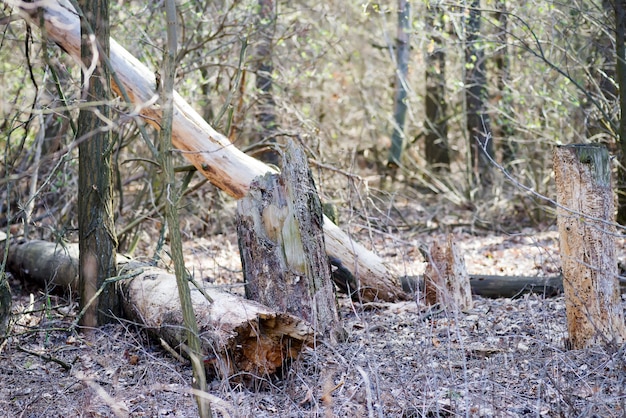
<point>281,242</point>
<point>585,212</point>
<point>446,280</point>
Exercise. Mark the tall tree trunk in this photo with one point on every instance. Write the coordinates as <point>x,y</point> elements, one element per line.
<point>266,113</point>
<point>436,146</point>
<point>620,70</point>
<point>504,104</point>
<point>478,124</point>
<point>172,193</point>
<point>402,63</point>
<point>96,227</point>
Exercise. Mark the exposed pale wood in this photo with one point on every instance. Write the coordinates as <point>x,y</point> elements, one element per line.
<point>446,281</point>
<point>209,151</point>
<point>281,242</point>
<point>237,334</point>
<point>587,244</point>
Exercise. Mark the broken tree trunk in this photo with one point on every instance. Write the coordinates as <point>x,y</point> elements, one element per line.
<point>237,335</point>
<point>281,243</point>
<point>585,212</point>
<point>445,280</point>
<point>210,152</point>
<point>490,286</point>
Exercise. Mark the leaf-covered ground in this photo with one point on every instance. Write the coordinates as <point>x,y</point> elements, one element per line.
<point>504,358</point>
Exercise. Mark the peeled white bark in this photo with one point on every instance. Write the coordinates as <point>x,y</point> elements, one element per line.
<point>209,151</point>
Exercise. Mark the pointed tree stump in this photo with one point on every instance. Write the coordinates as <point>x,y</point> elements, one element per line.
<point>585,214</point>
<point>281,242</point>
<point>446,280</point>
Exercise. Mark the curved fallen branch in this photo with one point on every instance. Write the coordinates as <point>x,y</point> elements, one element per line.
<point>209,151</point>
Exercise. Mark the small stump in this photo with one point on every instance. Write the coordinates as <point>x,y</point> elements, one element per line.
<point>446,280</point>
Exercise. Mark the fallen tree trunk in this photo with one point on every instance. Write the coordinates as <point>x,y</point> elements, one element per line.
<point>209,151</point>
<point>238,335</point>
<point>489,286</point>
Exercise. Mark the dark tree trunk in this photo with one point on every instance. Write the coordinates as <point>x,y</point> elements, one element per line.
<point>478,123</point>
<point>279,224</point>
<point>402,62</point>
<point>436,149</point>
<point>266,114</point>
<point>95,206</point>
<point>504,104</point>
<point>620,69</point>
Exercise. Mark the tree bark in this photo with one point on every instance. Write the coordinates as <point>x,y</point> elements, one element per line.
<point>436,148</point>
<point>96,226</point>
<point>210,152</point>
<point>237,335</point>
<point>282,245</point>
<point>620,72</point>
<point>504,104</point>
<point>478,124</point>
<point>402,70</point>
<point>587,244</point>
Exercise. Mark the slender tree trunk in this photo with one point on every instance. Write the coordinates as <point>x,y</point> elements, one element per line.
<point>172,196</point>
<point>620,70</point>
<point>266,114</point>
<point>96,226</point>
<point>402,62</point>
<point>504,104</point>
<point>436,147</point>
<point>478,123</point>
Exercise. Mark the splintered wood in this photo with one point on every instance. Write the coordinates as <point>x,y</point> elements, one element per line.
<point>585,214</point>
<point>281,242</point>
<point>446,281</point>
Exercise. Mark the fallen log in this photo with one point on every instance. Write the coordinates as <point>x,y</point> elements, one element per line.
<point>490,286</point>
<point>238,335</point>
<point>209,151</point>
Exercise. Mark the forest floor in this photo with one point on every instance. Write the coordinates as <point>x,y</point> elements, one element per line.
<point>503,358</point>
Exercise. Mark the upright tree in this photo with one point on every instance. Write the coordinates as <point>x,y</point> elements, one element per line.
<point>266,113</point>
<point>436,145</point>
<point>478,123</point>
<point>96,225</point>
<point>402,69</point>
<point>620,71</point>
<point>503,123</point>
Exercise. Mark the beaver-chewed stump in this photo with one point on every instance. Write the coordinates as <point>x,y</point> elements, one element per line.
<point>281,240</point>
